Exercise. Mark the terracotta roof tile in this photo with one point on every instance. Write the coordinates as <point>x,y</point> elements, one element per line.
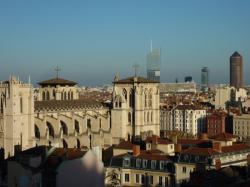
<point>57,81</point>
<point>124,145</point>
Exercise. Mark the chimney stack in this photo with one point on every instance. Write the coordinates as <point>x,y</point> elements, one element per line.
<point>177,148</point>
<point>136,150</point>
<point>217,146</point>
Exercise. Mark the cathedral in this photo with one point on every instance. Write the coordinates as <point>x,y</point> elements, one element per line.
<point>53,114</point>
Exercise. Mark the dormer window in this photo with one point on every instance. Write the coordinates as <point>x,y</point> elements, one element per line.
<point>144,164</point>
<point>161,165</point>
<point>153,164</point>
<point>126,162</point>
<point>138,163</point>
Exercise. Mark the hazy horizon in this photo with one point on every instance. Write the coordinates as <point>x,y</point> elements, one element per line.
<point>91,41</point>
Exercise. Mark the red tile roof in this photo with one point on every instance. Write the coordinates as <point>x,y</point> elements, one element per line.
<point>124,145</point>
<point>234,148</point>
<point>153,155</point>
<point>159,140</point>
<point>57,81</point>
<point>200,151</point>
<point>191,141</point>
<point>223,136</point>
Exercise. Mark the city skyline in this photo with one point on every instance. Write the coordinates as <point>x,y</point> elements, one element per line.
<point>108,38</point>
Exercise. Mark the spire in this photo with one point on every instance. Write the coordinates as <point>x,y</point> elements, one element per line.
<point>151,46</point>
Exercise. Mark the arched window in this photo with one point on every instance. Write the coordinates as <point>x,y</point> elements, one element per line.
<point>62,96</point>
<point>77,128</point>
<point>125,94</point>
<point>89,123</point>
<point>54,94</point>
<point>21,105</point>
<point>37,132</point>
<point>150,100</point>
<point>78,144</point>
<point>51,130</point>
<point>64,128</point>
<point>129,117</point>
<point>147,116</point>
<point>72,95</point>
<point>69,96</point>
<point>47,95</point>
<point>65,95</point>
<point>44,97</point>
<point>146,100</point>
<point>65,144</point>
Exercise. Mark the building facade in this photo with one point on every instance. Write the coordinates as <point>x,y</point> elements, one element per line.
<point>216,123</point>
<point>236,70</point>
<point>204,79</point>
<point>16,116</point>
<point>153,64</point>
<point>241,126</point>
<point>60,119</point>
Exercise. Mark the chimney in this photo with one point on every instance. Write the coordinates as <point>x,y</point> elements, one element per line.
<point>177,148</point>
<point>203,136</point>
<point>136,150</point>
<point>217,164</point>
<point>217,146</point>
<point>154,139</point>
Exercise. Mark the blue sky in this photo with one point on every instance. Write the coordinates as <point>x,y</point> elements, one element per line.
<point>92,40</point>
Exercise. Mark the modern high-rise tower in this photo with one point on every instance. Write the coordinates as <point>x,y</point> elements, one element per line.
<point>204,78</point>
<point>236,70</point>
<point>153,64</point>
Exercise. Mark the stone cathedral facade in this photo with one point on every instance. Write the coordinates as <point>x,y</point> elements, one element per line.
<point>54,115</point>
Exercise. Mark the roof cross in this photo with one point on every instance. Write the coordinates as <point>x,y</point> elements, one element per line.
<point>57,69</point>
<point>136,67</point>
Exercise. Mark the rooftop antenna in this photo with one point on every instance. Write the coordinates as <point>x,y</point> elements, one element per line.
<point>151,46</point>
<point>136,67</point>
<point>57,69</point>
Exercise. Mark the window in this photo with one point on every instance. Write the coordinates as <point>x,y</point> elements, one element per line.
<point>100,123</point>
<point>142,179</point>
<point>51,130</point>
<point>89,123</point>
<point>160,180</point>
<point>129,117</point>
<point>151,178</point>
<point>78,144</point>
<point>126,162</point>
<point>21,105</point>
<point>145,163</point>
<point>138,163</point>
<point>137,178</point>
<point>126,177</point>
<point>184,169</point>
<point>161,165</point>
<point>37,132</point>
<point>166,181</point>
<point>153,164</point>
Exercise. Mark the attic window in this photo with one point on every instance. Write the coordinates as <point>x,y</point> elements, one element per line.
<point>153,164</point>
<point>144,163</point>
<point>138,163</point>
<point>126,162</point>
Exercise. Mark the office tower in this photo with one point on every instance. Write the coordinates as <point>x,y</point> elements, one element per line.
<point>188,79</point>
<point>153,64</point>
<point>236,70</point>
<point>204,79</point>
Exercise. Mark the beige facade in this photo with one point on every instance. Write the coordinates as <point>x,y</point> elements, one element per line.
<point>135,108</point>
<point>16,116</point>
<point>241,126</point>
<point>70,122</point>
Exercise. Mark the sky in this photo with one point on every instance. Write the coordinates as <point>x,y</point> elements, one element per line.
<point>92,40</point>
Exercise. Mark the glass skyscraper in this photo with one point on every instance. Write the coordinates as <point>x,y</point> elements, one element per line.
<point>204,79</point>
<point>153,64</point>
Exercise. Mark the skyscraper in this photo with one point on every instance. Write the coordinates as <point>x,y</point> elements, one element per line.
<point>236,70</point>
<point>153,64</point>
<point>204,78</point>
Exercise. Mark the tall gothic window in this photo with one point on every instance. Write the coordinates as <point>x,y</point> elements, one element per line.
<point>65,144</point>
<point>47,95</point>
<point>78,144</point>
<point>129,117</point>
<point>89,123</point>
<point>21,105</point>
<point>37,132</point>
<point>44,95</point>
<point>125,94</point>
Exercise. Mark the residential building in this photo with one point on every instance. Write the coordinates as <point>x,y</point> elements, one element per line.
<point>187,118</point>
<point>241,126</point>
<point>142,168</point>
<point>216,123</point>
